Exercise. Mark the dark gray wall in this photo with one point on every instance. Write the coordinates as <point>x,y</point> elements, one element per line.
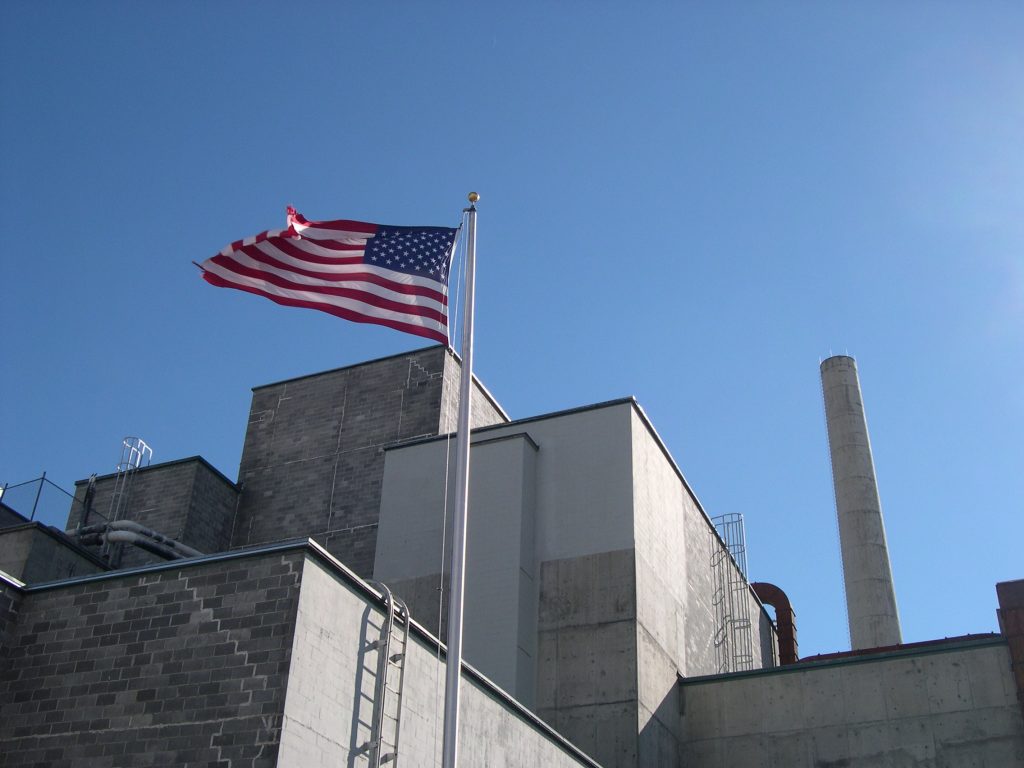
<point>313,457</point>
<point>34,553</point>
<point>10,601</point>
<point>9,517</point>
<point>184,666</point>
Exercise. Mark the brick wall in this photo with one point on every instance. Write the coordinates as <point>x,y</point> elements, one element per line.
<point>181,666</point>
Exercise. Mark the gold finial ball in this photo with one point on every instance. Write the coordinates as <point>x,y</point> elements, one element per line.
<point>473,197</point>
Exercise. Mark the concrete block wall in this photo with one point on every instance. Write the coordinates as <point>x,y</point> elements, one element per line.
<point>485,409</point>
<point>186,499</point>
<point>313,457</point>
<point>179,666</point>
<point>10,602</point>
<point>950,704</point>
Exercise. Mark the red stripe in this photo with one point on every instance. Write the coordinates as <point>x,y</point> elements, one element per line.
<point>330,309</point>
<point>340,225</point>
<point>365,277</point>
<point>345,293</point>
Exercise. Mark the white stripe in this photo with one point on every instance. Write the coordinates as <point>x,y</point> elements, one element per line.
<point>341,236</point>
<point>358,285</point>
<point>353,305</point>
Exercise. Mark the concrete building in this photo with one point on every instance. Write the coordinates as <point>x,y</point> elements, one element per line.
<point>608,620</point>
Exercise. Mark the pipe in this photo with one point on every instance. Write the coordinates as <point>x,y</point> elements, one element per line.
<point>785,619</point>
<point>167,541</point>
<point>142,542</point>
<point>165,546</point>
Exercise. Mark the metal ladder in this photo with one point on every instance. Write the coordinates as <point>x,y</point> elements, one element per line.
<point>387,700</point>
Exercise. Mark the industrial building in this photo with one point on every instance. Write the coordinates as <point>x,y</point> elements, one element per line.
<point>294,616</point>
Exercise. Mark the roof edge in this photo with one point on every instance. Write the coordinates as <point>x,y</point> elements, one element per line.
<point>171,463</point>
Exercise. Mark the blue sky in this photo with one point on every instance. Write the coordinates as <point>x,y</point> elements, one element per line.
<point>689,203</point>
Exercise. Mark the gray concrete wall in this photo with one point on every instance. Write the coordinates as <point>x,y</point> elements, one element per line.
<point>187,500</point>
<point>945,707</point>
<point>329,702</point>
<point>313,461</point>
<point>500,607</point>
<point>676,621</point>
<point>587,654</point>
<point>624,560</point>
<point>182,666</point>
<point>33,554</point>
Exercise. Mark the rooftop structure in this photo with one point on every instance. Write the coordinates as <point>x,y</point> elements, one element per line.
<point>609,621</point>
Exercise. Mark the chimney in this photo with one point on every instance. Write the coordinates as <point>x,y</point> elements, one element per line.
<point>870,598</point>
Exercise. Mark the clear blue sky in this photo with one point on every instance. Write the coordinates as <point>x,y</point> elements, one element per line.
<point>689,203</point>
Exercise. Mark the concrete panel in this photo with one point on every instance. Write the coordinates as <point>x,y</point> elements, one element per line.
<point>500,626</point>
<point>658,745</point>
<point>594,664</point>
<point>657,686</point>
<point>606,732</point>
<point>584,497</point>
<point>916,709</point>
<point>594,589</point>
<point>329,703</point>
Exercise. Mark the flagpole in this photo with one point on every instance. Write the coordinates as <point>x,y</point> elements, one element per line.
<point>458,567</point>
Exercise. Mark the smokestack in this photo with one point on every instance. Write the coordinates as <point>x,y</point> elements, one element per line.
<point>870,598</point>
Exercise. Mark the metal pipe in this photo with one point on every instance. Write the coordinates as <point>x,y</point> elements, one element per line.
<point>785,619</point>
<point>129,525</point>
<point>142,542</point>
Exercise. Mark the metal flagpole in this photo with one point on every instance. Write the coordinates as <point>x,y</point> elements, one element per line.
<point>458,570</point>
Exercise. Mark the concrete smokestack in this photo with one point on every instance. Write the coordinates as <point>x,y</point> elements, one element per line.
<point>870,598</point>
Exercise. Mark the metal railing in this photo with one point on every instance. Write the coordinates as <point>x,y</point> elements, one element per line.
<point>43,500</point>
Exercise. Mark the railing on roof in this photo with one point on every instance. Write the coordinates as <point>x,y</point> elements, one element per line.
<point>43,500</point>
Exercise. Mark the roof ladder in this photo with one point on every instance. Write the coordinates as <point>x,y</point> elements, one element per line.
<point>382,746</point>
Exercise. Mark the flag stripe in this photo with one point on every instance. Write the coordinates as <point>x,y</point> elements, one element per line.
<point>316,253</point>
<point>435,331</point>
<point>398,282</point>
<point>367,273</point>
<point>365,293</point>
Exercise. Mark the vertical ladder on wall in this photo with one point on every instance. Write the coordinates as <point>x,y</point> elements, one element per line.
<point>734,635</point>
<point>391,647</point>
<point>720,599</point>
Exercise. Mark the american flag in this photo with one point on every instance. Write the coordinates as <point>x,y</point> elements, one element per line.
<point>368,273</point>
